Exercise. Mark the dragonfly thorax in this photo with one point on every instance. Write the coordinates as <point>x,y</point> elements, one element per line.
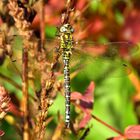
<point>66,38</point>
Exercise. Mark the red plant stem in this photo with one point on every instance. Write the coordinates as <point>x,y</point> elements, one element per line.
<point>107,125</point>
<point>24,103</point>
<point>69,7</point>
<point>42,23</point>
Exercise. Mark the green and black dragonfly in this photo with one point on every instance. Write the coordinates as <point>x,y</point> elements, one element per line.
<point>88,53</point>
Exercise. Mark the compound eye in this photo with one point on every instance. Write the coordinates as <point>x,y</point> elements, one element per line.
<point>63,29</point>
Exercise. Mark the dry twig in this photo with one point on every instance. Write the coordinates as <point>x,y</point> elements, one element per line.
<point>23,26</point>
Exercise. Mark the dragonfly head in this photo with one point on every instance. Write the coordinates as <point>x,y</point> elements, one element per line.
<point>66,28</point>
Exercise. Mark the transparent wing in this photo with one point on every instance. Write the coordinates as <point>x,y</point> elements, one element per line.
<point>15,58</point>
<point>108,50</point>
<point>99,68</point>
<point>101,60</point>
<point>91,58</point>
<point>9,44</point>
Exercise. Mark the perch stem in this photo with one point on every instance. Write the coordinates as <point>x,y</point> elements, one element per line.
<point>12,82</point>
<point>24,104</point>
<point>107,125</point>
<point>42,23</point>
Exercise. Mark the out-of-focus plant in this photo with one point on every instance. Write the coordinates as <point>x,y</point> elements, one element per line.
<point>4,104</point>
<point>37,111</point>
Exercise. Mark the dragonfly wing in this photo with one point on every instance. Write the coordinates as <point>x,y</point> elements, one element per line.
<point>103,60</point>
<point>14,61</point>
<point>86,54</point>
<point>97,68</point>
<point>108,50</point>
<point>16,43</point>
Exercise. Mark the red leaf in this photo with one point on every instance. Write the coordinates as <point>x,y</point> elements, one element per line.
<point>1,133</point>
<point>76,96</point>
<point>131,30</point>
<point>81,4</point>
<point>133,132</point>
<point>14,109</point>
<point>89,91</point>
<point>57,4</point>
<point>96,25</point>
<point>85,120</point>
<point>1,22</point>
<point>117,138</point>
<point>86,100</point>
<point>84,103</point>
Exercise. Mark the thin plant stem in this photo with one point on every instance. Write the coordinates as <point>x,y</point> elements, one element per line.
<point>24,103</point>
<point>10,81</point>
<point>107,125</point>
<point>42,23</point>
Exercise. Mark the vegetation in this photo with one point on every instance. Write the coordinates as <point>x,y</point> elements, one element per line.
<point>105,85</point>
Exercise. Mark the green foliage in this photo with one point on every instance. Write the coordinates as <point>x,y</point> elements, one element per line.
<point>119,18</point>
<point>113,93</point>
<point>50,31</point>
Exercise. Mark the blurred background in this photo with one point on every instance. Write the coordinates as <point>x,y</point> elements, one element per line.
<point>116,96</point>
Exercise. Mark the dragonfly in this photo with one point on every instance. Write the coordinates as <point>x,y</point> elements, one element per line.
<point>68,48</point>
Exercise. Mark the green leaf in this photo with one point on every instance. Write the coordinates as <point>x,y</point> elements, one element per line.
<point>119,17</point>
<point>50,31</point>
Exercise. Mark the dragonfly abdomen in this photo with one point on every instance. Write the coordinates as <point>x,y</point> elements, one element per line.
<point>67,91</point>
